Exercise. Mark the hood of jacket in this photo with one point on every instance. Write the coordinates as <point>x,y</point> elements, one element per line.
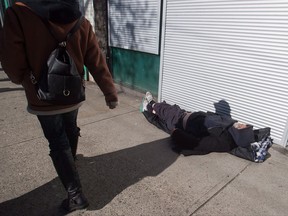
<point>56,11</point>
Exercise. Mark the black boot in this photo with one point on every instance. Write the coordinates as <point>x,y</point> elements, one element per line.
<point>73,141</point>
<point>65,167</point>
<point>76,200</point>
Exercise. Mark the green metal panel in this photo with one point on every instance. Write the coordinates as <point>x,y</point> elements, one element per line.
<point>7,3</point>
<point>137,70</point>
<point>4,4</point>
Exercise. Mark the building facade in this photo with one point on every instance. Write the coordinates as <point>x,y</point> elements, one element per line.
<point>229,55</point>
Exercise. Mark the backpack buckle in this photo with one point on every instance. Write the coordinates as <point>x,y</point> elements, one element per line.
<point>66,92</point>
<point>33,79</point>
<point>62,44</point>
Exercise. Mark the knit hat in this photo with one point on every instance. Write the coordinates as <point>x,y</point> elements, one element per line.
<point>57,11</point>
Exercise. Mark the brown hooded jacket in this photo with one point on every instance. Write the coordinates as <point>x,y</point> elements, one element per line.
<point>27,43</point>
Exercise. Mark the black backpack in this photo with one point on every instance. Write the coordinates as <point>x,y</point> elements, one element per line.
<point>60,83</point>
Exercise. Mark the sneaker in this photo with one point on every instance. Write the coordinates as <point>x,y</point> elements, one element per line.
<point>261,155</point>
<point>266,143</point>
<point>149,97</point>
<point>144,105</point>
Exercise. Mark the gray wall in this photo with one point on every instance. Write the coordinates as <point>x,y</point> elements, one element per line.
<point>100,7</point>
<point>96,12</point>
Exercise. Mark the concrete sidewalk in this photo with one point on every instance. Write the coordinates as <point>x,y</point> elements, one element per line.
<point>127,167</point>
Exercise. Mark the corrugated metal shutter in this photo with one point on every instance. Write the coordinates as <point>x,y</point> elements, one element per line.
<point>235,51</point>
<point>135,24</point>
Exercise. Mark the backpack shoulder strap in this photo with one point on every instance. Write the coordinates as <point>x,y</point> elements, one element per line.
<point>70,33</point>
<point>75,27</point>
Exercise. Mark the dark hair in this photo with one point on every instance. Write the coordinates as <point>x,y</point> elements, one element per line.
<point>64,14</point>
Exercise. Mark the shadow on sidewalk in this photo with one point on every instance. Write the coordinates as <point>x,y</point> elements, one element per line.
<point>103,177</point>
<point>11,89</point>
<point>4,80</point>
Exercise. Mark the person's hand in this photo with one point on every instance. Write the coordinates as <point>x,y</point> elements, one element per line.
<point>112,104</point>
<point>173,130</point>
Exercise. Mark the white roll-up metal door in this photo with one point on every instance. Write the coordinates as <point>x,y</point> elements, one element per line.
<point>234,51</point>
<point>135,24</point>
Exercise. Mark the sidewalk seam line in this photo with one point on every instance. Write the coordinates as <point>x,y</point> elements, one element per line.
<point>221,189</point>
<point>109,118</point>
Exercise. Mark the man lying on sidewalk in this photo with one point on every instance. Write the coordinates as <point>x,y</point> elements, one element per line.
<point>205,132</point>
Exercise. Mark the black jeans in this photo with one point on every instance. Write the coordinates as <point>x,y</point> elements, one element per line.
<point>59,128</point>
<point>170,114</point>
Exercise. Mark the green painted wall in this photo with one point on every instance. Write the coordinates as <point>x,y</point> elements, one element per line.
<point>136,70</point>
<point>7,3</point>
